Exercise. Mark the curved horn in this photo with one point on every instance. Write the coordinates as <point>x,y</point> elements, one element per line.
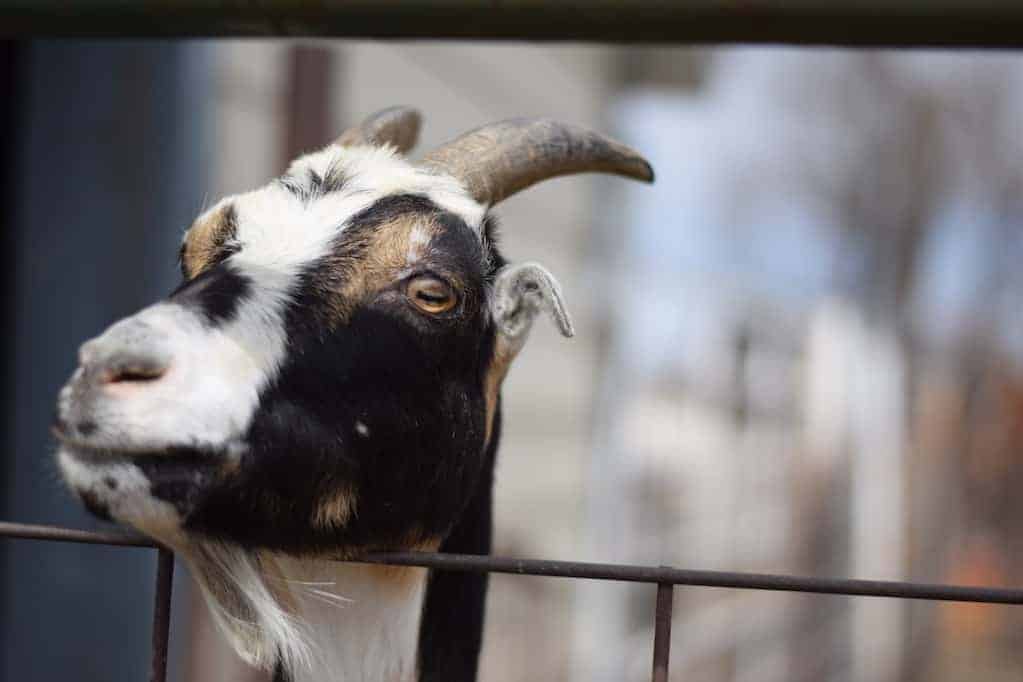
<point>500,159</point>
<point>396,126</point>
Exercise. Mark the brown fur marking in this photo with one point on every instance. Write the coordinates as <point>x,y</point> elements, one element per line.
<point>206,239</point>
<point>498,370</point>
<point>401,576</point>
<point>335,509</point>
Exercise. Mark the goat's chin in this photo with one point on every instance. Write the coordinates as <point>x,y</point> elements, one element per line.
<point>119,486</point>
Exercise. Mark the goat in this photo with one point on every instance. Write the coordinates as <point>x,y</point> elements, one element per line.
<point>325,382</point>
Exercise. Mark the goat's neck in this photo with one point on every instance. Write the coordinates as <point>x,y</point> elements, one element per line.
<point>362,620</point>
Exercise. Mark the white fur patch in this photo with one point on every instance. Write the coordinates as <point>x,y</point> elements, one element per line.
<point>419,238</point>
<point>210,390</point>
<point>381,171</point>
<point>363,622</point>
<point>279,231</point>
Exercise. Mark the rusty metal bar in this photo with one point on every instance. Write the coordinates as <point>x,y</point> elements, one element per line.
<point>161,615</point>
<point>662,632</point>
<point>35,532</point>
<point>980,23</point>
<point>677,576</point>
<point>594,571</point>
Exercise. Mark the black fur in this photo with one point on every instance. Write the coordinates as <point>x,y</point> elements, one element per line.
<point>412,474</point>
<point>451,629</point>
<point>217,292</point>
<point>314,185</point>
<point>293,186</point>
<point>391,207</point>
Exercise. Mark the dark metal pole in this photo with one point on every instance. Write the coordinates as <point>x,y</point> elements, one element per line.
<point>662,631</point>
<point>993,23</point>
<point>161,614</point>
<point>680,576</point>
<point>35,532</point>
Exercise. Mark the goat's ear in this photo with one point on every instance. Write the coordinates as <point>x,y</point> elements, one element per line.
<point>520,292</point>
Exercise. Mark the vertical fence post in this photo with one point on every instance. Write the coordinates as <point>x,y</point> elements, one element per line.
<point>161,614</point>
<point>662,632</point>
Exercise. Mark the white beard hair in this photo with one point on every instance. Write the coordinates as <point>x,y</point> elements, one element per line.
<point>259,627</point>
<point>323,620</point>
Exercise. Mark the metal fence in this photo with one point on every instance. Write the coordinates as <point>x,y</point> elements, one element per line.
<point>664,577</point>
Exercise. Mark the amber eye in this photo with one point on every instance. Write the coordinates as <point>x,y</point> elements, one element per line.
<point>431,294</point>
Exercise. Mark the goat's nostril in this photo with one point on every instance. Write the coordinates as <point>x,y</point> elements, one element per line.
<point>133,374</point>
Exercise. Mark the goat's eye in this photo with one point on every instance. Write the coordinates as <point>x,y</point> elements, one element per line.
<point>430,294</point>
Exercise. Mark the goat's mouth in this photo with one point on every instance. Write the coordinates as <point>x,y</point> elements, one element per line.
<point>152,490</point>
<point>182,463</point>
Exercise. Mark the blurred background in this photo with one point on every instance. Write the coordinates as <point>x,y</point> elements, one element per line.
<point>799,351</point>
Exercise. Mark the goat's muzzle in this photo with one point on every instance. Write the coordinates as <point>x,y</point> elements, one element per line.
<point>149,418</point>
<point>129,357</point>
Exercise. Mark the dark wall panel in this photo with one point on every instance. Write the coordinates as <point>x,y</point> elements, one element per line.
<point>107,173</point>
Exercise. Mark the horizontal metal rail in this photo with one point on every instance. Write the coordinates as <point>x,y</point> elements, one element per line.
<point>979,23</point>
<point>678,576</point>
<point>35,532</point>
<point>661,575</point>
